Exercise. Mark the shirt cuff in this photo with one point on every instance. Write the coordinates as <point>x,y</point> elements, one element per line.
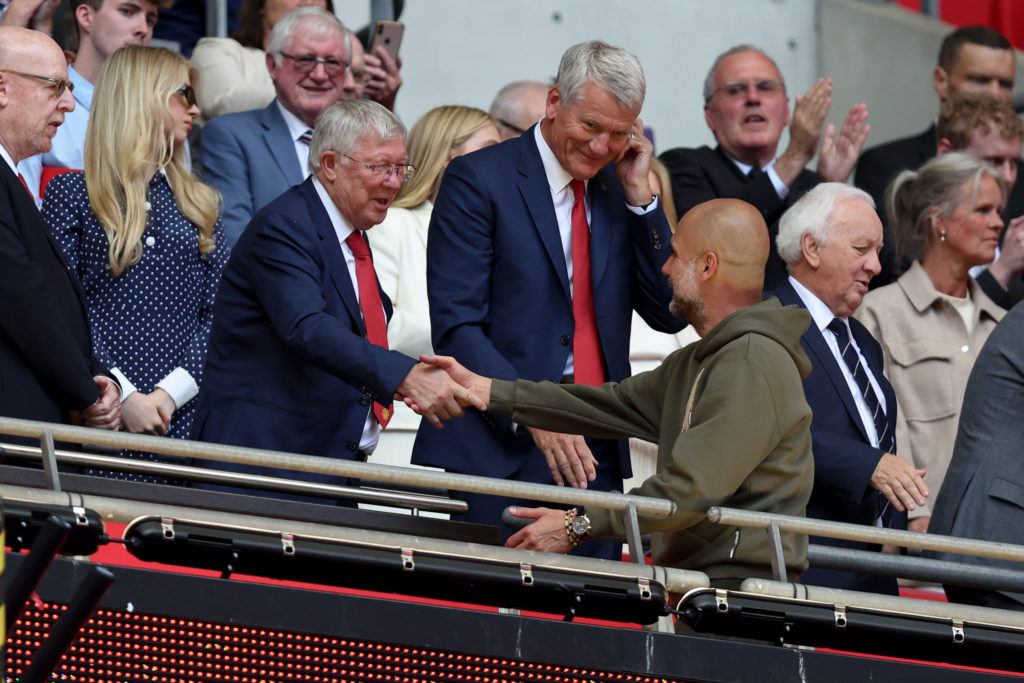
<point>780,187</point>
<point>644,210</point>
<point>127,388</point>
<point>180,386</point>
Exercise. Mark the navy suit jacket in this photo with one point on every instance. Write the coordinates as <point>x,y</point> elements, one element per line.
<point>250,157</point>
<point>844,458</point>
<point>46,360</point>
<point>289,367</point>
<point>499,290</point>
<point>702,174</point>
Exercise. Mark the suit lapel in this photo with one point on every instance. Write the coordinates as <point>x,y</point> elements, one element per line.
<point>600,226</point>
<point>334,258</point>
<point>280,145</point>
<point>533,186</point>
<point>823,358</point>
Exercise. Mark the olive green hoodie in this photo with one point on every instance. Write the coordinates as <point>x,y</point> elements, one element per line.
<point>746,442</point>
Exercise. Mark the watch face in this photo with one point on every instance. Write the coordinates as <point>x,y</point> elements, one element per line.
<point>581,525</point>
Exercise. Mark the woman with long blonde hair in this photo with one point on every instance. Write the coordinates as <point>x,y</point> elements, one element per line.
<point>144,236</point>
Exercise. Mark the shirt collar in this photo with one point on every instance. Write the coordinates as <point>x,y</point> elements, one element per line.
<point>819,310</point>
<point>922,294</point>
<point>9,159</point>
<point>83,89</point>
<point>295,127</point>
<point>558,177</point>
<point>745,168</point>
<point>338,222</point>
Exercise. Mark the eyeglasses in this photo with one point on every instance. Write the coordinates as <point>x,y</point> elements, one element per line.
<point>57,85</point>
<point>307,63</point>
<point>384,171</point>
<point>766,87</point>
<point>187,93</point>
<point>512,127</point>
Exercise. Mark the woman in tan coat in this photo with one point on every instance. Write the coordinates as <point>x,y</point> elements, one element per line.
<point>933,321</point>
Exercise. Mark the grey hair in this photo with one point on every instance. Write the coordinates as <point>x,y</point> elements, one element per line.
<point>709,82</point>
<point>812,214</point>
<point>508,103</point>
<point>315,21</point>
<point>614,69</point>
<point>915,198</point>
<point>340,125</point>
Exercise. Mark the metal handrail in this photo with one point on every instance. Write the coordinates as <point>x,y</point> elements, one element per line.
<point>124,511</point>
<point>868,534</point>
<point>403,499</point>
<point>331,466</point>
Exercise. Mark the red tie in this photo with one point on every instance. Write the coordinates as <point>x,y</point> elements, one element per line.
<point>586,348</point>
<point>25,185</point>
<point>373,309</point>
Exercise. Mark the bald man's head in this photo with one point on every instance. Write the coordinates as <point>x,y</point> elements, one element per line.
<point>33,91</point>
<point>718,256</point>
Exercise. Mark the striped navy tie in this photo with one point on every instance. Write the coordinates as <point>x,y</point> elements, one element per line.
<point>886,439</point>
<point>306,137</point>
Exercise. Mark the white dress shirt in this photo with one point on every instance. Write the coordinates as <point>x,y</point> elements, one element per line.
<point>822,316</point>
<point>371,428</point>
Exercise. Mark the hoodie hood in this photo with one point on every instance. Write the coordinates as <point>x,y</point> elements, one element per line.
<point>769,318</point>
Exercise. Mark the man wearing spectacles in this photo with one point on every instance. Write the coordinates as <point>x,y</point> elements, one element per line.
<point>298,357</point>
<point>538,251</point>
<point>746,106</point>
<point>254,156</point>
<point>103,26</point>
<point>518,106</point>
<point>46,359</point>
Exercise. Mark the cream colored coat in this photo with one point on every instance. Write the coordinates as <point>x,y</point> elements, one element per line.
<point>928,357</point>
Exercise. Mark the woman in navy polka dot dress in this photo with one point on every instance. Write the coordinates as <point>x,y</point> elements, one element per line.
<point>145,237</point>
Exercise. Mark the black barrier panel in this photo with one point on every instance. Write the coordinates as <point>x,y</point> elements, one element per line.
<point>160,627</point>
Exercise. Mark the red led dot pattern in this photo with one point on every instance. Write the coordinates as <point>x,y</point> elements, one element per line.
<point>127,647</point>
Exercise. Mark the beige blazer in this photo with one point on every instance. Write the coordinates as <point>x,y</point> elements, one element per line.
<point>928,357</point>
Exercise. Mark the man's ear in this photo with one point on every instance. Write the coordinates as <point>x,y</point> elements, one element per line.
<point>5,95</point>
<point>83,15</point>
<point>944,146</point>
<point>811,249</point>
<point>329,160</point>
<point>707,265</point>
<point>940,81</point>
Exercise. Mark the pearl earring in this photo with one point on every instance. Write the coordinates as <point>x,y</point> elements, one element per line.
<point>942,236</point>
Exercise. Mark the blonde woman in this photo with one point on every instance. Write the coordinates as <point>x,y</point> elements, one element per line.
<point>144,236</point>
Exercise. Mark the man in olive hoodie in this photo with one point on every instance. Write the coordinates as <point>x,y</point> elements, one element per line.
<point>728,412</point>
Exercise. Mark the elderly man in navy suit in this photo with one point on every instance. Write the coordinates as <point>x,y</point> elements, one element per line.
<point>747,109</point>
<point>830,239</point>
<point>254,156</point>
<point>298,357</point>
<point>538,250</point>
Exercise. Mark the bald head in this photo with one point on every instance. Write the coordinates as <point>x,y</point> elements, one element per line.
<point>717,264</point>
<point>30,107</point>
<point>518,106</point>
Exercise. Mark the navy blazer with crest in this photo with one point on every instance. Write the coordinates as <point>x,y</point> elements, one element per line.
<point>844,458</point>
<point>289,366</point>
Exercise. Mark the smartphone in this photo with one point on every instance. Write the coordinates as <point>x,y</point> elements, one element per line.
<point>387,34</point>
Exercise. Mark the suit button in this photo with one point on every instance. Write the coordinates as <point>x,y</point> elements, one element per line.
<point>564,339</point>
<point>364,400</point>
<point>353,445</point>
